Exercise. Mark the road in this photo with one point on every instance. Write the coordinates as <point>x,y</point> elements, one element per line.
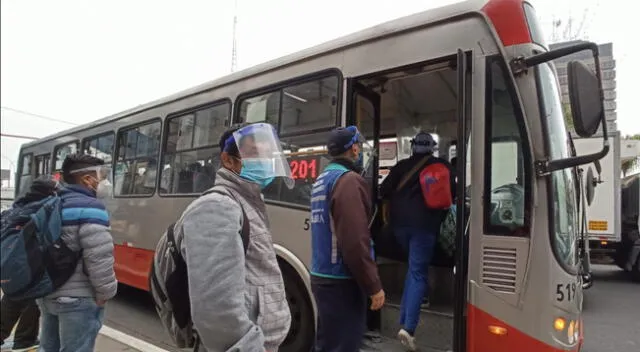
<point>611,310</point>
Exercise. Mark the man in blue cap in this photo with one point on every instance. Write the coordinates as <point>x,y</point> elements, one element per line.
<point>343,271</point>
<point>415,226</point>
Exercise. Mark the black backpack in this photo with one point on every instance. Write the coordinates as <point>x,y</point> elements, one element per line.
<point>169,282</point>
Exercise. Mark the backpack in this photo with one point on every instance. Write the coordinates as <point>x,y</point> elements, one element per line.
<point>170,286</point>
<point>34,260</point>
<point>435,183</point>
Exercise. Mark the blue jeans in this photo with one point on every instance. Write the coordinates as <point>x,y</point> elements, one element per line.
<point>69,324</point>
<point>419,244</point>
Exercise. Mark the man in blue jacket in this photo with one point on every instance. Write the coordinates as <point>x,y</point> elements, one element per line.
<point>343,270</point>
<point>72,315</point>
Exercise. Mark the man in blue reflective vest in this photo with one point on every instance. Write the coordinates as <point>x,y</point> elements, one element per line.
<point>343,272</point>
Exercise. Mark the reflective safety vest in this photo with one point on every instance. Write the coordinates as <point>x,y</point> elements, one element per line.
<point>326,259</point>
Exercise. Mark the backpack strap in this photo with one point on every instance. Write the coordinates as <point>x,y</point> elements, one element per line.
<point>417,167</point>
<point>244,232</point>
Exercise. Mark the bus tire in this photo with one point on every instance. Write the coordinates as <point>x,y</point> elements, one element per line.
<point>302,333</point>
<point>635,271</point>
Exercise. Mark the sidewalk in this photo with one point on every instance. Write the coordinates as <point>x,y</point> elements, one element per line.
<point>107,344</point>
<point>109,340</point>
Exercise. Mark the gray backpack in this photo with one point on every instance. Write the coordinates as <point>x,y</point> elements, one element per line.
<point>169,282</point>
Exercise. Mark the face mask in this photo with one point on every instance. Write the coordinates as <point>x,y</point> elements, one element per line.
<point>92,183</point>
<point>257,171</point>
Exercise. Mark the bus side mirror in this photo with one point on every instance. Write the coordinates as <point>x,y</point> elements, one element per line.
<point>586,102</point>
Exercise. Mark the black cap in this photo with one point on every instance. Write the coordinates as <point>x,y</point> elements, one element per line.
<point>340,140</point>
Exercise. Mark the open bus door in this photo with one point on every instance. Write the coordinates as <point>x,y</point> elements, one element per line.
<point>462,250</point>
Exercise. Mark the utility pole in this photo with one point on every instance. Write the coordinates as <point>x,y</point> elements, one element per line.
<point>234,53</point>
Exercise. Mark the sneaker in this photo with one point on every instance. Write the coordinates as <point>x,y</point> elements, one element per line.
<point>29,348</point>
<point>425,303</point>
<point>408,341</point>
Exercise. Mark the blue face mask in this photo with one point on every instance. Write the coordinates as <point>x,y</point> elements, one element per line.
<point>257,171</point>
<point>360,160</point>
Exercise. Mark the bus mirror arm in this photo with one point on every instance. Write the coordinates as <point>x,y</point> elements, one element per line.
<point>538,59</point>
<point>545,167</point>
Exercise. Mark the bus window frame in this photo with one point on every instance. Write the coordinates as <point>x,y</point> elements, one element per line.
<point>117,150</point>
<point>279,86</point>
<point>55,153</point>
<point>97,136</point>
<point>524,146</point>
<point>165,140</point>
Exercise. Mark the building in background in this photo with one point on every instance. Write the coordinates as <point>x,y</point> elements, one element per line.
<point>608,67</point>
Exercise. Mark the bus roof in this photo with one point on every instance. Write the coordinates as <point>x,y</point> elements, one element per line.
<point>381,30</point>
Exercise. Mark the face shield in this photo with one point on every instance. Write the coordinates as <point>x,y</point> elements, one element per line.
<point>261,154</point>
<point>101,172</point>
<point>367,151</point>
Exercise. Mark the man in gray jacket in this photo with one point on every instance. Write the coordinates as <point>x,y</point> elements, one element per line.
<point>72,315</point>
<point>238,300</point>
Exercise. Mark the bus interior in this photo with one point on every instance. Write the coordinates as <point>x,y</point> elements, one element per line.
<point>418,98</point>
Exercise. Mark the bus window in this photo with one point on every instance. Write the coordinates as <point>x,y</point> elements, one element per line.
<point>303,107</point>
<point>26,178</point>
<point>136,160</point>
<point>191,154</point>
<point>43,164</point>
<point>62,151</point>
<point>504,166</point>
<point>309,106</point>
<point>100,147</point>
<point>263,108</point>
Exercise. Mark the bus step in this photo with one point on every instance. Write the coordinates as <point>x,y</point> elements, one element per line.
<point>435,329</point>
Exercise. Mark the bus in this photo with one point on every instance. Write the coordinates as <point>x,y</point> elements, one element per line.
<point>478,74</point>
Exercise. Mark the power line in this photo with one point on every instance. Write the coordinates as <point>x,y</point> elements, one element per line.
<point>17,136</point>
<point>39,116</point>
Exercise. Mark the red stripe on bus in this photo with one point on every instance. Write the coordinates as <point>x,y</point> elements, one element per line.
<point>133,266</point>
<point>507,17</point>
<point>480,339</point>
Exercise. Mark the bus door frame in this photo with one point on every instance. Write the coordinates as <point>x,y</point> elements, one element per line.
<point>461,277</point>
<point>357,90</point>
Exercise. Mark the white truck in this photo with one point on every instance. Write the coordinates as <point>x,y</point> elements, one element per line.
<point>612,222</point>
<point>603,224</point>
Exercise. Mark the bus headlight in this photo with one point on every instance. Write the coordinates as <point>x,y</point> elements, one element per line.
<point>559,324</point>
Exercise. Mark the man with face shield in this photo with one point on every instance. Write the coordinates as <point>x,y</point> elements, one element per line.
<point>229,287</point>
<point>73,314</point>
<point>343,271</point>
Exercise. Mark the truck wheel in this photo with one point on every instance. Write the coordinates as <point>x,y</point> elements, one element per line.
<point>302,333</point>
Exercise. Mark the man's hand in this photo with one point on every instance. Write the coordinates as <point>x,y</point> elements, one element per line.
<point>377,300</point>
<point>101,303</point>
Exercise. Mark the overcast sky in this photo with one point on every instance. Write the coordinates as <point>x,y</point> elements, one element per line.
<point>81,60</point>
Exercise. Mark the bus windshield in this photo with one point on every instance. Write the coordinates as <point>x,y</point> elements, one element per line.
<point>563,214</point>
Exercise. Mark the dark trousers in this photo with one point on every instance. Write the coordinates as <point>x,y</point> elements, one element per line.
<point>29,315</point>
<point>342,314</point>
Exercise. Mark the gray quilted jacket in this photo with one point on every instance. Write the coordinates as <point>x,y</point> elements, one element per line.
<point>85,227</point>
<point>238,302</point>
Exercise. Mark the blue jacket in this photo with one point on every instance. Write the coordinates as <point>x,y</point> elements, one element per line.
<point>85,227</point>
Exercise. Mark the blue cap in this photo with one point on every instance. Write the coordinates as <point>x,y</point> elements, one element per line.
<point>423,143</point>
<point>342,139</point>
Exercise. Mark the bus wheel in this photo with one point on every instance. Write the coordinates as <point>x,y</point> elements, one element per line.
<point>302,332</point>
<point>635,271</point>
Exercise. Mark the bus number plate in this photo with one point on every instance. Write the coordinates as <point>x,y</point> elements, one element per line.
<point>566,292</point>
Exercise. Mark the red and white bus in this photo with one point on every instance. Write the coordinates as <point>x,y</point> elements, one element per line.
<point>477,74</point>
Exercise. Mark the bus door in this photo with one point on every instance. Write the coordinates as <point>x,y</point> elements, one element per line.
<point>461,255</point>
<point>363,106</point>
